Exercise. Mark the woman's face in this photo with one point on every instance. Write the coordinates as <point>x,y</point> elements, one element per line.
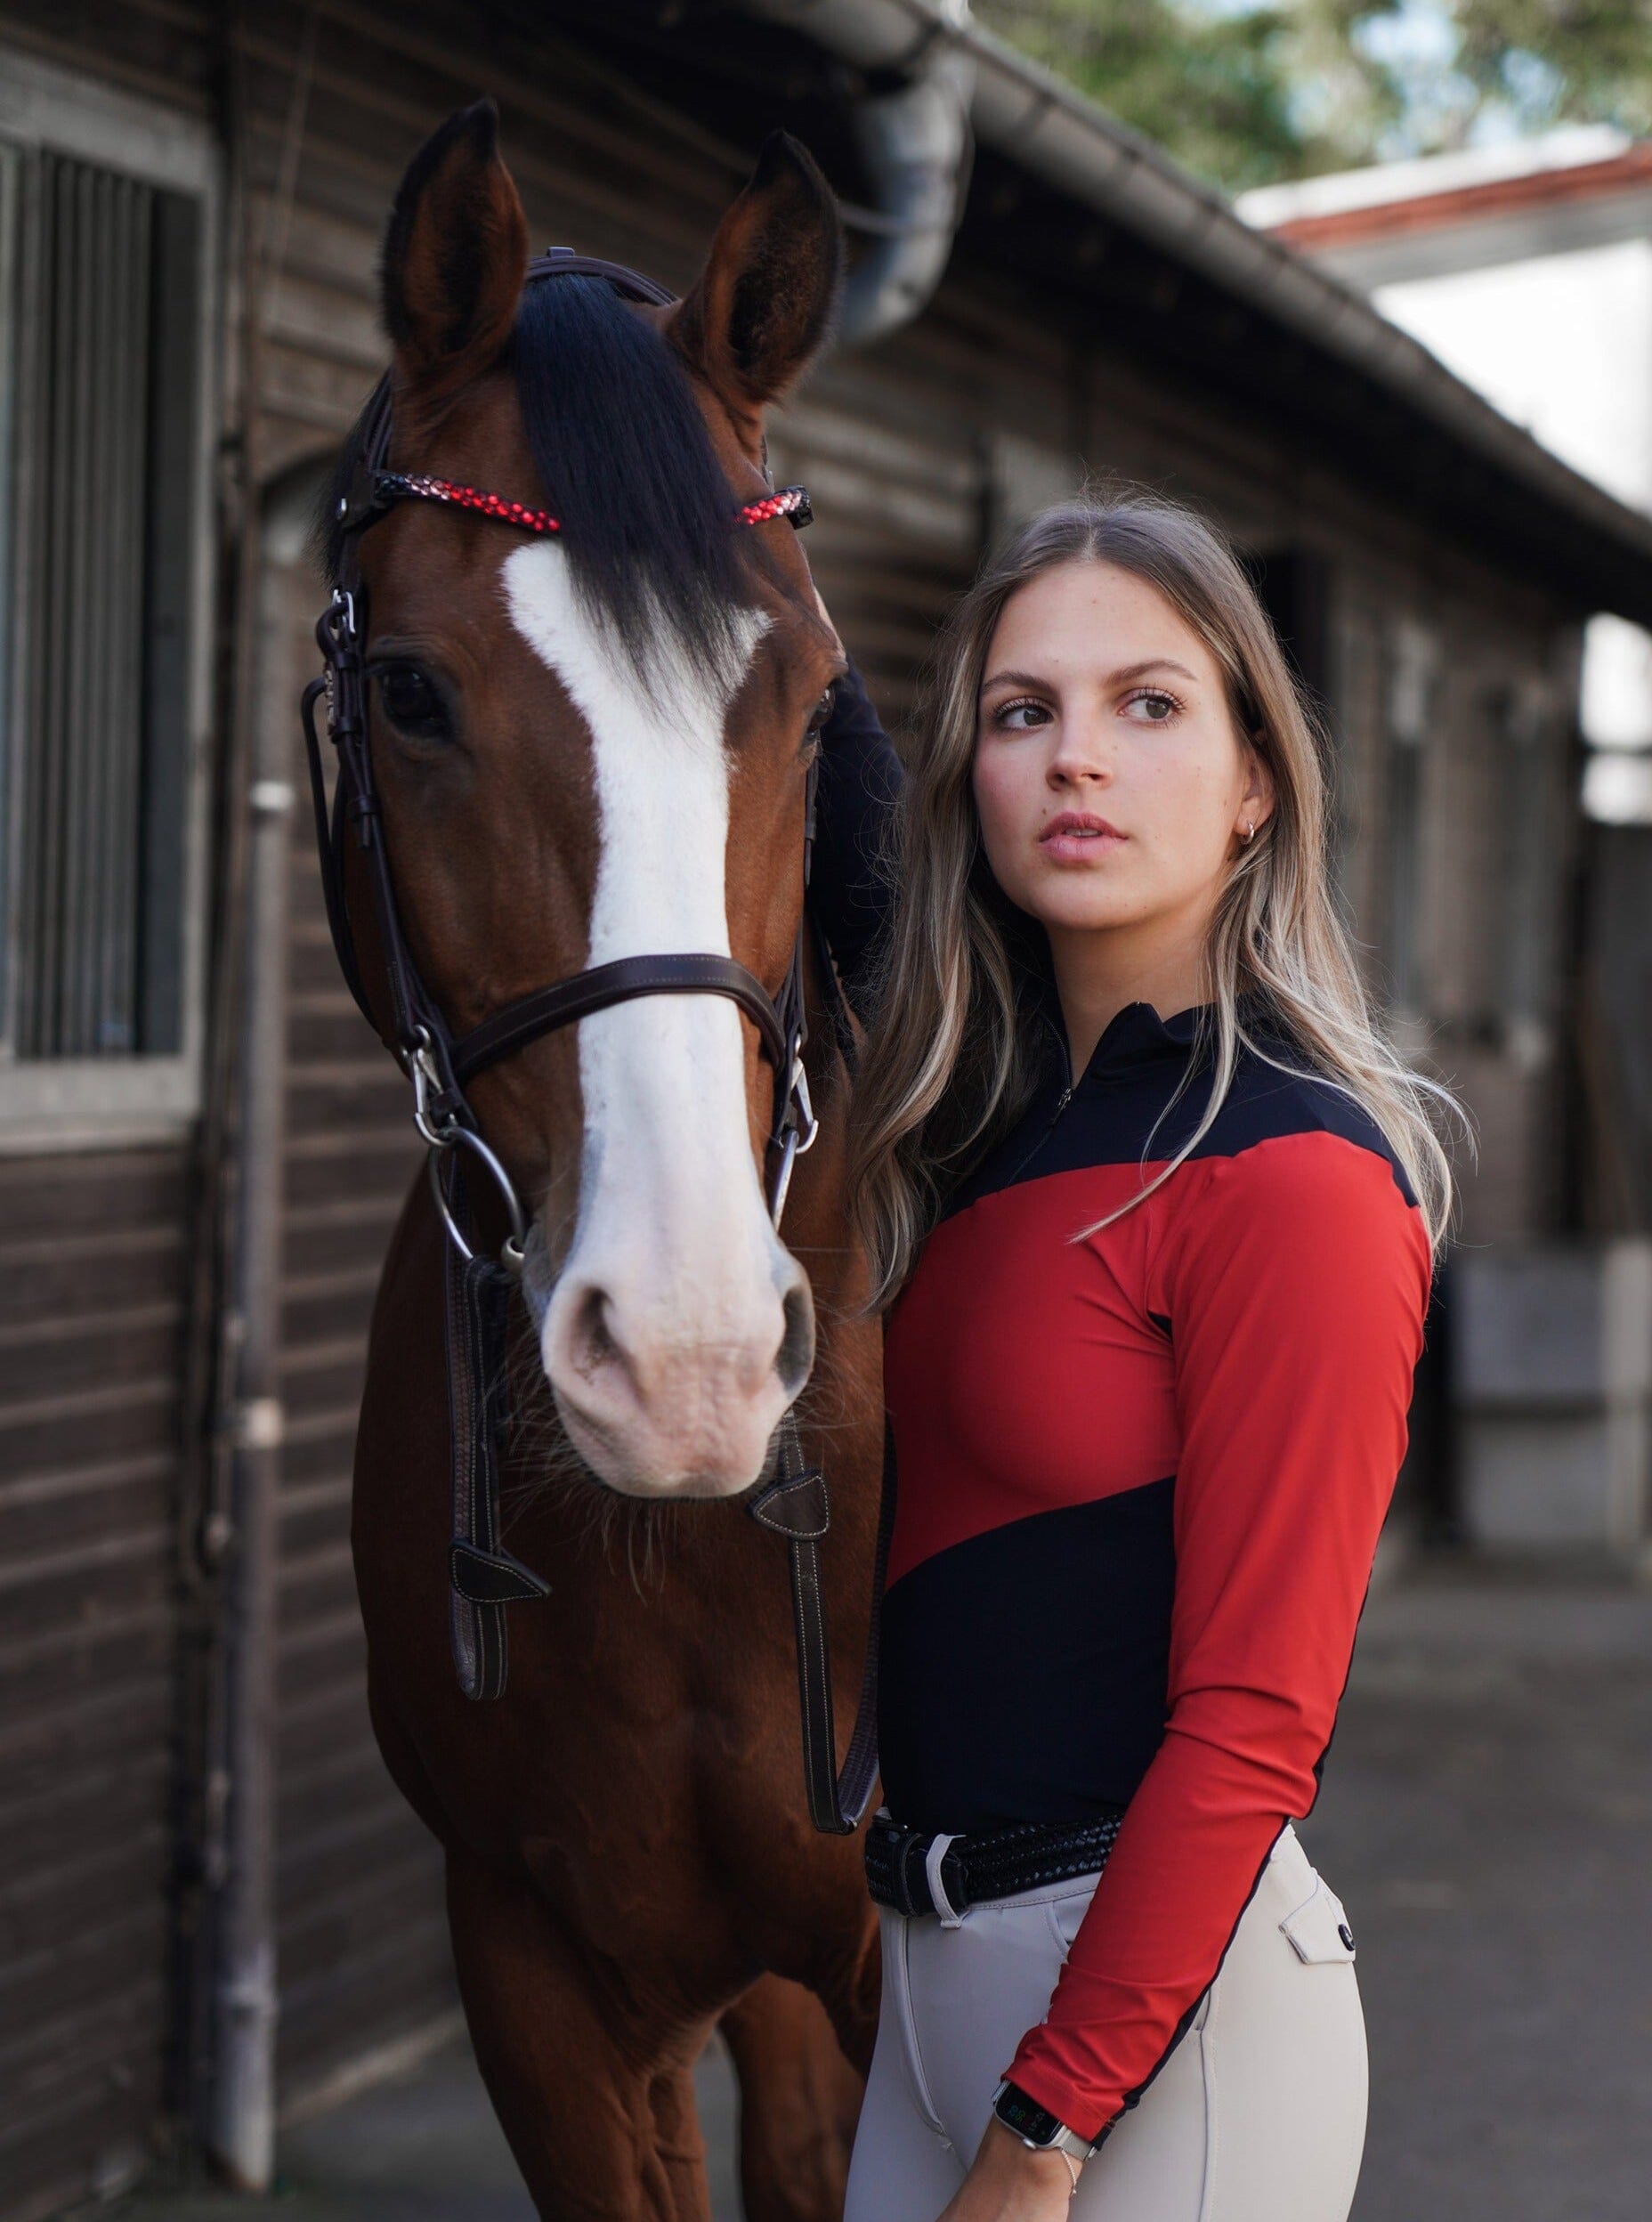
<point>1109,779</point>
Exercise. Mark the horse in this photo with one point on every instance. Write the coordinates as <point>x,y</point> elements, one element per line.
<point>585,746</point>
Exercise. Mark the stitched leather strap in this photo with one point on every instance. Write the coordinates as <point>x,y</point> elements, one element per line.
<point>485,1577</point>
<point>688,974</point>
<point>795,1504</point>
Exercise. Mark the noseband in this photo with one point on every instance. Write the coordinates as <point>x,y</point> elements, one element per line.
<point>485,1576</point>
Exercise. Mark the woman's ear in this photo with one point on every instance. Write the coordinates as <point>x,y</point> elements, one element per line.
<point>760,311</point>
<point>1261,791</point>
<point>454,255</point>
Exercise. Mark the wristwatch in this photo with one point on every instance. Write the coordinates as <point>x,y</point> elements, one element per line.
<point>1035,2125</point>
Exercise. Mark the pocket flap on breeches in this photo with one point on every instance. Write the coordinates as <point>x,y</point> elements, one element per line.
<point>1318,1929</point>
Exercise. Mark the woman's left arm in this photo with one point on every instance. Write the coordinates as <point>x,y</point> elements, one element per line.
<point>1295,1276</point>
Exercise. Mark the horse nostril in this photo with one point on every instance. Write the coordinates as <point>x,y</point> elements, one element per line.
<point>794,1358</point>
<point>591,1339</point>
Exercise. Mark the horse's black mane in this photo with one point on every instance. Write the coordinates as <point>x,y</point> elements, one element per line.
<point>625,464</point>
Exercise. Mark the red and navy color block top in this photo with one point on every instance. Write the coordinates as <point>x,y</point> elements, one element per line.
<point>1140,1480</point>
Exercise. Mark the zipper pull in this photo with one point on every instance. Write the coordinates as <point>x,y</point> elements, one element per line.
<point>1049,1128</point>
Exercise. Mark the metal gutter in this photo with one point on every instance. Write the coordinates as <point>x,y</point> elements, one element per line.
<point>1050,129</point>
<point>915,147</point>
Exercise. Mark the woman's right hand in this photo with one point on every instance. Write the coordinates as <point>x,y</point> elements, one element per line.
<point>1009,2182</point>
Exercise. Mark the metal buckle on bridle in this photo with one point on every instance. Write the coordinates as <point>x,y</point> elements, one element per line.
<point>436,1126</point>
<point>797,1134</point>
<point>339,639</point>
<point>442,1132</point>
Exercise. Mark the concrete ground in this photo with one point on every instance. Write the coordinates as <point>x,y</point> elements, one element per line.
<point>1488,1819</point>
<point>425,2148</point>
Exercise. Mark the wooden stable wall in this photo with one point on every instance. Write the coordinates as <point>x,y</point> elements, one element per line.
<point>94,1269</point>
<point>915,452</point>
<point>96,1276</point>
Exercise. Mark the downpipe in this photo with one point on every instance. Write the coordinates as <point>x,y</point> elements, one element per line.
<point>916,147</point>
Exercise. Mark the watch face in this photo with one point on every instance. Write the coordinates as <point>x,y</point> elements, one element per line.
<point>1026,2117</point>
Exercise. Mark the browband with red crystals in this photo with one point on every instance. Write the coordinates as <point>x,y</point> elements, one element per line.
<point>376,491</point>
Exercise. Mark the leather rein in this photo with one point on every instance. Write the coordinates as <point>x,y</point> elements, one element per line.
<point>484,1577</point>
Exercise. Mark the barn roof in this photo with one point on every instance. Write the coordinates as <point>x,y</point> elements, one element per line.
<point>1296,337</point>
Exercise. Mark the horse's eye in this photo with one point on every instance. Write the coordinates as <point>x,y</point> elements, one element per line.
<point>822,711</point>
<point>411,700</point>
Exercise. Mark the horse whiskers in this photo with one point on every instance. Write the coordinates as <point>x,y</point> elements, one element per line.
<point>542,1460</point>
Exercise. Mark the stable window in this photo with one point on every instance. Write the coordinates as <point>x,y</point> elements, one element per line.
<point>103,258</point>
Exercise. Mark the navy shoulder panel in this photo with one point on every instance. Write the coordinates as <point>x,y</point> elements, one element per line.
<point>1121,1111</point>
<point>1264,1102</point>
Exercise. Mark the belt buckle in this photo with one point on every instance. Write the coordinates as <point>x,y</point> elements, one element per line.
<point>904,1839</point>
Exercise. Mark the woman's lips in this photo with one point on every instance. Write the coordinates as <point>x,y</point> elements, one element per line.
<point>1080,838</point>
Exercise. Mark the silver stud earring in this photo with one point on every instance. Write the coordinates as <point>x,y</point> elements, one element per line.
<point>1250,831</point>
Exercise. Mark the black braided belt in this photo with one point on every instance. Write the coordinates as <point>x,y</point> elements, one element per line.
<point>988,1863</point>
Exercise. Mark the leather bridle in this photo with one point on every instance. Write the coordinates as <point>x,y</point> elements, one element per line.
<point>439,1065</point>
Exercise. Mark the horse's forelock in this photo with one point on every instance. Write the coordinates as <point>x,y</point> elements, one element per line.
<point>627,466</point>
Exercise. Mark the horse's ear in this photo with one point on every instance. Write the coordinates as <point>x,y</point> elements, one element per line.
<point>761,308</point>
<point>455,254</point>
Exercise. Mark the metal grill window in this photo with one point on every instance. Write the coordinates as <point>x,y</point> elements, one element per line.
<point>105,272</point>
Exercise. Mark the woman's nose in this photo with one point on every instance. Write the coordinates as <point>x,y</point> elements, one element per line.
<point>1079,753</point>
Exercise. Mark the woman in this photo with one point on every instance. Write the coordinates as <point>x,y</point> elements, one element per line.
<point>1152,1211</point>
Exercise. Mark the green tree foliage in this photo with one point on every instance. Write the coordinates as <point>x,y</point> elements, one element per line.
<point>1210,88</point>
<point>1549,61</point>
<point>1242,94</point>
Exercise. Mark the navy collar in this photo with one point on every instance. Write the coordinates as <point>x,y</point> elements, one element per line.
<point>1135,1036</point>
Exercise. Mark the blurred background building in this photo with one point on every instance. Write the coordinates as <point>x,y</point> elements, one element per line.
<point>1527,268</point>
<point>213,1909</point>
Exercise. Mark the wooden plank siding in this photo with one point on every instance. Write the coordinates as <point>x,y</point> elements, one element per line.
<point>362,1939</point>
<point>94,1272</point>
<point>168,49</point>
<point>96,1279</point>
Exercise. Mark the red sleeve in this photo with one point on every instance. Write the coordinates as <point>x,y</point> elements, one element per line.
<point>1296,1280</point>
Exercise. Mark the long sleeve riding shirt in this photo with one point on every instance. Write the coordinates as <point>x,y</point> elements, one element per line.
<point>1141,1475</point>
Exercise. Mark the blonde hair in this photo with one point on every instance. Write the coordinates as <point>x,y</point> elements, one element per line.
<point>950,1058</point>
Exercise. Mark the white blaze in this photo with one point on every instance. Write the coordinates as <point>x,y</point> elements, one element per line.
<point>673,1235</point>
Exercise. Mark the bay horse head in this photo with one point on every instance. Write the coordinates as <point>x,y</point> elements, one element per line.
<point>590,741</point>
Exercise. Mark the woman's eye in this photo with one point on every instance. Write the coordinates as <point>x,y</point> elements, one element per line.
<point>411,702</point>
<point>1156,709</point>
<point>1021,717</point>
